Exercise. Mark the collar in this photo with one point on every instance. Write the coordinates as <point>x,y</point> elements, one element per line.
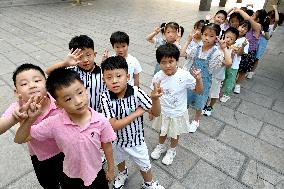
<point>129,92</point>
<point>67,121</point>
<point>96,69</point>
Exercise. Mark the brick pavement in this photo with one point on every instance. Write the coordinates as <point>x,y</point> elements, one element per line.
<point>240,146</point>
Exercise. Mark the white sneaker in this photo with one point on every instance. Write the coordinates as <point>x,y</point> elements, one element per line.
<point>224,98</point>
<point>154,185</point>
<point>193,126</point>
<point>169,157</point>
<point>237,89</point>
<point>249,75</point>
<point>160,148</point>
<point>120,179</point>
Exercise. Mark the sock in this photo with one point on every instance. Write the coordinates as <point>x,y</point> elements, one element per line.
<point>124,172</point>
<point>148,183</point>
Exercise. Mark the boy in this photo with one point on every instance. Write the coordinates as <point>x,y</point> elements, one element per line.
<point>81,59</point>
<point>78,130</point>
<point>230,36</point>
<point>120,42</point>
<point>124,105</point>
<point>29,81</point>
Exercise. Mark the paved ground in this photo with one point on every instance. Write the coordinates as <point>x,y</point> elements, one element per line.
<point>240,146</point>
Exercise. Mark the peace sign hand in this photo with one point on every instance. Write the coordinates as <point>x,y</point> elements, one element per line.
<point>157,92</point>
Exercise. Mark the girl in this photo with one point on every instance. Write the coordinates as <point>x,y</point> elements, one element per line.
<point>271,24</point>
<point>174,115</point>
<point>171,33</point>
<point>247,61</point>
<point>239,48</point>
<point>194,38</point>
<point>206,57</point>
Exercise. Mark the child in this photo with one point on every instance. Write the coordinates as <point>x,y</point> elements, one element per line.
<point>29,81</point>
<point>124,106</point>
<point>247,61</point>
<point>81,59</point>
<point>234,21</point>
<point>206,57</point>
<point>218,75</point>
<point>171,33</point>
<point>174,118</point>
<point>120,42</point>
<point>193,39</point>
<point>78,130</point>
<point>239,48</point>
<point>273,18</point>
<point>220,19</point>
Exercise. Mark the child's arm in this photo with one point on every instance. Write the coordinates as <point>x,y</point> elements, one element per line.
<point>136,79</point>
<point>187,42</point>
<point>199,84</point>
<point>151,36</point>
<point>276,18</point>
<point>72,59</point>
<point>7,123</point>
<point>107,147</point>
<point>155,110</point>
<point>255,26</point>
<point>227,55</point>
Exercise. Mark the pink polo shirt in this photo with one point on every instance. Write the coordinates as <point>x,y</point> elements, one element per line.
<point>42,149</point>
<point>80,145</point>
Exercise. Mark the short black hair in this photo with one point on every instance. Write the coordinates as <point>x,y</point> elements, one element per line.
<point>212,26</point>
<point>26,67</point>
<point>246,24</point>
<point>168,50</point>
<point>236,15</point>
<point>119,37</point>
<point>222,12</point>
<point>60,78</point>
<point>81,42</point>
<point>249,12</point>
<point>199,23</point>
<point>233,30</point>
<point>173,25</point>
<point>113,63</point>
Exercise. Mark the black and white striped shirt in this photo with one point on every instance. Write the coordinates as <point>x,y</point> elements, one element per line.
<point>93,81</point>
<point>132,134</point>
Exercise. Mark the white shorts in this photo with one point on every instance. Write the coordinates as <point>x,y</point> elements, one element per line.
<point>215,88</point>
<point>139,155</point>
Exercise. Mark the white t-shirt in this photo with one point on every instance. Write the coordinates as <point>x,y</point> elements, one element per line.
<point>134,67</point>
<point>219,73</point>
<point>237,58</point>
<point>174,100</point>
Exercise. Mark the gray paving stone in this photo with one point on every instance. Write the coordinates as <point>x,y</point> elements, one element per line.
<point>214,152</point>
<point>265,90</point>
<point>237,119</point>
<point>27,48</point>
<point>278,106</point>
<point>7,94</point>
<point>6,65</point>
<point>183,161</point>
<point>7,78</point>
<point>17,56</point>
<point>256,98</point>
<point>262,114</point>
<point>28,181</point>
<point>43,56</point>
<point>268,82</point>
<point>258,176</point>
<point>272,135</point>
<point>178,185</point>
<point>16,165</point>
<point>233,103</point>
<point>207,177</point>
<point>254,147</point>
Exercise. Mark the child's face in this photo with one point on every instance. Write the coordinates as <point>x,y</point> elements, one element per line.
<point>116,81</point>
<point>168,65</point>
<point>30,83</point>
<point>234,22</point>
<point>87,59</point>
<point>170,34</point>
<point>219,19</point>
<point>73,99</point>
<point>230,38</point>
<point>254,17</point>
<point>198,31</point>
<point>121,49</point>
<point>208,37</point>
<point>242,30</point>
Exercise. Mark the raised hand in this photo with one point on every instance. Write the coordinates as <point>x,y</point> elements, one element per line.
<point>20,113</point>
<point>274,7</point>
<point>105,55</point>
<point>35,106</point>
<point>222,43</point>
<point>73,57</point>
<point>196,73</point>
<point>157,30</point>
<point>157,92</point>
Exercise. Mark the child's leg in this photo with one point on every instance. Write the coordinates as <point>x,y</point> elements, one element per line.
<point>241,77</point>
<point>121,166</point>
<point>213,101</point>
<point>197,115</point>
<point>162,139</point>
<point>147,175</point>
<point>100,181</point>
<point>174,142</point>
<point>255,65</point>
<point>230,81</point>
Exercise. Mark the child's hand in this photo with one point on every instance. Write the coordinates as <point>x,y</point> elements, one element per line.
<point>105,55</point>
<point>110,175</point>
<point>73,58</point>
<point>35,107</point>
<point>157,92</point>
<point>20,113</point>
<point>222,43</point>
<point>196,73</point>
<point>208,17</point>
<point>157,30</point>
<point>274,7</point>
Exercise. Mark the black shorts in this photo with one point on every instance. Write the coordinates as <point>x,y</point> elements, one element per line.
<point>247,62</point>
